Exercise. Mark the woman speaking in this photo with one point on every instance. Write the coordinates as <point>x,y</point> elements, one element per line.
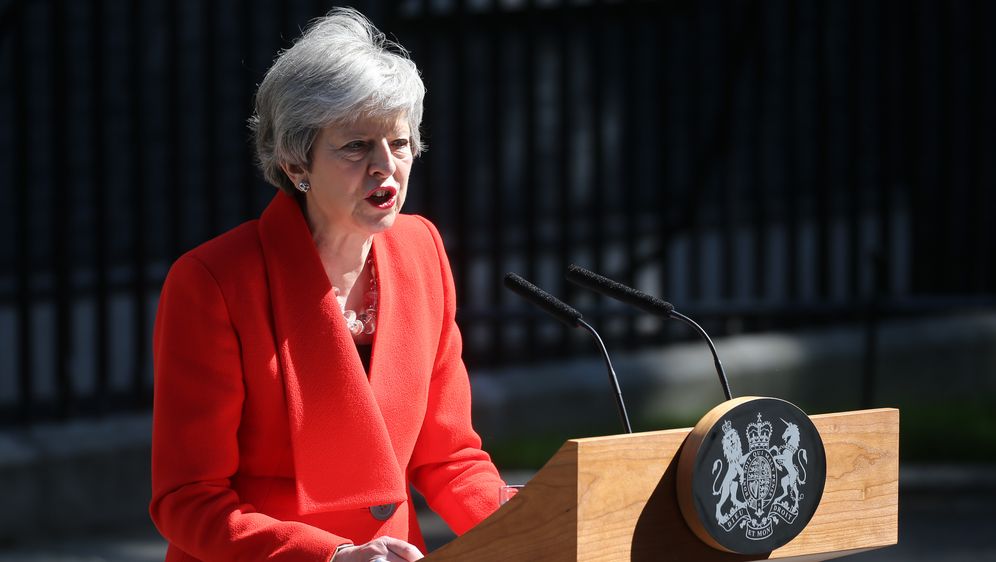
<point>307,364</point>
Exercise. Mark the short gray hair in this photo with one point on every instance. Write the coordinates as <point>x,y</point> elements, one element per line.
<point>342,68</point>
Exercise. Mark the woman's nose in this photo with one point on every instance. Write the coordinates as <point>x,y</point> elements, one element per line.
<point>381,162</point>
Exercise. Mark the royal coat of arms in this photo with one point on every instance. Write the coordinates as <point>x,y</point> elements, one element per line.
<point>756,498</point>
<point>759,487</point>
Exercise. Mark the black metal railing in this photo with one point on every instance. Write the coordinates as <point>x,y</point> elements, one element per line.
<point>762,164</point>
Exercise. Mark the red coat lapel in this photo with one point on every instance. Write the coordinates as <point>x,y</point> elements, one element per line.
<point>332,410</point>
<point>409,313</point>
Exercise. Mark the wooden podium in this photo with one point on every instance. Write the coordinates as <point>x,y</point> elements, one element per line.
<point>614,499</point>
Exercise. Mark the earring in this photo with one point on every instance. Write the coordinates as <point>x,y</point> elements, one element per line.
<point>304,186</point>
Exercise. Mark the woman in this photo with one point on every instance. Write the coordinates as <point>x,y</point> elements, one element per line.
<point>307,364</point>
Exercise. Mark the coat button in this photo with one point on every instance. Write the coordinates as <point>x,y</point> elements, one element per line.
<point>383,512</point>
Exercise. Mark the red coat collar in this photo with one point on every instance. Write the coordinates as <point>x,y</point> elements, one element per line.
<point>328,392</point>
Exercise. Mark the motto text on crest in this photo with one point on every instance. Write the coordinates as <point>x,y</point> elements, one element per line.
<point>760,486</point>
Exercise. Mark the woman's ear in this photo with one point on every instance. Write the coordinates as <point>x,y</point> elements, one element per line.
<point>295,172</point>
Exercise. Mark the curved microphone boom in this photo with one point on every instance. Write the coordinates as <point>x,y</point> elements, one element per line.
<point>571,317</point>
<point>649,303</point>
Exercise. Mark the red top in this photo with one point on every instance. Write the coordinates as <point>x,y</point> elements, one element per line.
<point>269,439</point>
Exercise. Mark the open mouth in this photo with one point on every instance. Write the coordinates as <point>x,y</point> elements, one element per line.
<point>382,197</point>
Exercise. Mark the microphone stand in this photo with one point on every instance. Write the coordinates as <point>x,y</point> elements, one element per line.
<point>612,375</point>
<point>715,356</point>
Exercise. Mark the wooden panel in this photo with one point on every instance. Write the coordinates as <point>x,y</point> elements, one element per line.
<point>630,513</point>
<point>617,476</point>
<point>614,498</point>
<point>650,526</point>
<point>538,523</point>
<point>860,506</point>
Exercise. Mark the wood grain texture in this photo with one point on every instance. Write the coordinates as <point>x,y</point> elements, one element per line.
<point>860,505</point>
<point>615,498</point>
<point>538,523</point>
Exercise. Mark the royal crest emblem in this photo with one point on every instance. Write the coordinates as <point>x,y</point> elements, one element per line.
<point>754,477</point>
<point>751,479</point>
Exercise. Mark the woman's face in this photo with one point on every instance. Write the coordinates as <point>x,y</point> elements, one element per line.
<point>359,175</point>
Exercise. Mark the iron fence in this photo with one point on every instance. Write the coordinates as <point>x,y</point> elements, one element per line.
<point>764,165</point>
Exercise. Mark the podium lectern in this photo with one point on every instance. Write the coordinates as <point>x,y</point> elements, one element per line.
<point>615,499</point>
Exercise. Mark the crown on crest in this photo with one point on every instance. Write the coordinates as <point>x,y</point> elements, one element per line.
<point>759,433</point>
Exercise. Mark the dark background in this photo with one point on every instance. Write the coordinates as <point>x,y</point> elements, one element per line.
<point>765,165</point>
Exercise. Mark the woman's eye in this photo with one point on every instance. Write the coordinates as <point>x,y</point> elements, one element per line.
<point>399,144</point>
<point>355,145</point>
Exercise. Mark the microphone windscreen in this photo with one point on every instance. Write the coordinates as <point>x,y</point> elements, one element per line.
<point>540,298</point>
<point>591,280</point>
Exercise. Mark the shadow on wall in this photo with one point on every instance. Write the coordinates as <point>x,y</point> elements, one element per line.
<point>80,477</point>
<point>938,372</point>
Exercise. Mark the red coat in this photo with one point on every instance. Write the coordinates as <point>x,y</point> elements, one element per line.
<point>269,440</point>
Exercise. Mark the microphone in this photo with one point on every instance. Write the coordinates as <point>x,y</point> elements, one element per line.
<point>648,303</point>
<point>571,317</point>
<point>591,280</point>
<point>544,300</point>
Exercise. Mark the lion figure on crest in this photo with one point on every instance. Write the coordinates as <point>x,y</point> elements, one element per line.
<point>729,488</point>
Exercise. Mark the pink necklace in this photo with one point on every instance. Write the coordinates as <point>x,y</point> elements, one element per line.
<point>364,322</point>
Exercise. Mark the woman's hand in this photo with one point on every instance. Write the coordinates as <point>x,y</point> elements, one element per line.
<point>383,549</point>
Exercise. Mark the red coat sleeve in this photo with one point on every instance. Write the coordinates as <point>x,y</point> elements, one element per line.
<point>448,466</point>
<point>196,414</point>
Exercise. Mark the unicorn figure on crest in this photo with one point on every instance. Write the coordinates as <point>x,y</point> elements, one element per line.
<point>786,459</point>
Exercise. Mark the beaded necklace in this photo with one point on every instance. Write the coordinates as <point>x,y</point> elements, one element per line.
<point>364,322</point>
